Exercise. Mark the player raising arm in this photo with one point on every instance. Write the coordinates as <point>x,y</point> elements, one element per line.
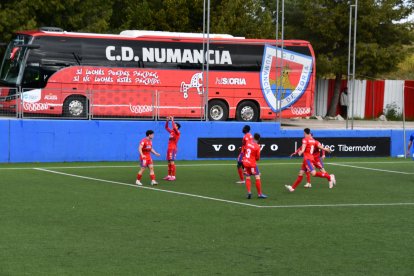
<point>145,149</point>
<point>172,147</point>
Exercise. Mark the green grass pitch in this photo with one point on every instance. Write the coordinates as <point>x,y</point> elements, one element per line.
<point>90,219</point>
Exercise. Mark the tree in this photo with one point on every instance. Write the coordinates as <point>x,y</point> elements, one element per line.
<point>246,18</point>
<point>71,15</point>
<point>158,15</point>
<point>325,23</point>
<point>128,14</point>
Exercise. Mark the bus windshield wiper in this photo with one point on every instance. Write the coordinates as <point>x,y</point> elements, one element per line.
<point>77,58</point>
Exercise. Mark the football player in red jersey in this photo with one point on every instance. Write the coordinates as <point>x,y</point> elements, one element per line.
<point>145,149</point>
<point>246,138</point>
<point>172,147</point>
<point>318,156</point>
<point>307,149</point>
<point>251,154</point>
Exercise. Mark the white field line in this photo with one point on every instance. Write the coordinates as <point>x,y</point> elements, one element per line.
<point>135,166</point>
<point>144,187</point>
<point>371,169</point>
<point>197,165</point>
<point>341,205</point>
<point>228,201</point>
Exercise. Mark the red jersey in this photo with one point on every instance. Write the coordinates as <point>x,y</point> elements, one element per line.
<point>318,152</point>
<point>246,139</point>
<point>174,136</point>
<point>310,146</point>
<point>146,147</point>
<point>251,154</point>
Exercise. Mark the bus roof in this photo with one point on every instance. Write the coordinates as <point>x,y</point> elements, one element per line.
<point>157,35</point>
<point>140,33</point>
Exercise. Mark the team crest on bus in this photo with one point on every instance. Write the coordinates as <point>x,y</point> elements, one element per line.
<point>282,88</point>
<point>196,82</point>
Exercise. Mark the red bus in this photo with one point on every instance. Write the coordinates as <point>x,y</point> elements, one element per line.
<point>156,74</point>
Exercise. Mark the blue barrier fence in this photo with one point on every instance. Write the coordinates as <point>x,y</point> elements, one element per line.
<point>74,140</point>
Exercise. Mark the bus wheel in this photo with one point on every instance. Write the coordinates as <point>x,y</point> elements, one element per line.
<point>217,111</point>
<point>247,111</point>
<point>75,106</point>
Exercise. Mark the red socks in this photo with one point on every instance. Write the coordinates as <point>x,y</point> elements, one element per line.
<point>317,174</point>
<point>240,171</point>
<point>323,175</point>
<point>297,182</point>
<point>308,177</point>
<point>248,185</point>
<point>171,169</point>
<point>258,186</point>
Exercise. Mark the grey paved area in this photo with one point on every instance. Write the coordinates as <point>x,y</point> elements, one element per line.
<point>337,124</point>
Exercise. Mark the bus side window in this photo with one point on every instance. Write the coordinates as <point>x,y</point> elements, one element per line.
<point>32,77</point>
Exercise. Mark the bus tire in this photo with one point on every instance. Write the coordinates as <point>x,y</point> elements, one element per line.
<point>217,111</point>
<point>75,106</point>
<point>247,111</point>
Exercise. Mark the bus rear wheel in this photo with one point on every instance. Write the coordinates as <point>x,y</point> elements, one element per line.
<point>217,111</point>
<point>75,106</point>
<point>247,112</point>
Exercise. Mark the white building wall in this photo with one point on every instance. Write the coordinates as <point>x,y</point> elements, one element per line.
<point>358,100</point>
<point>321,98</point>
<point>393,94</point>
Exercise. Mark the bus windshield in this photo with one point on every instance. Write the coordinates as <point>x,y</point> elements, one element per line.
<point>13,59</point>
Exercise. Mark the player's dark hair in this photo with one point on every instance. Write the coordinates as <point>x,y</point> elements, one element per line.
<point>307,130</point>
<point>246,129</point>
<point>178,125</point>
<point>149,132</point>
<point>256,136</point>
